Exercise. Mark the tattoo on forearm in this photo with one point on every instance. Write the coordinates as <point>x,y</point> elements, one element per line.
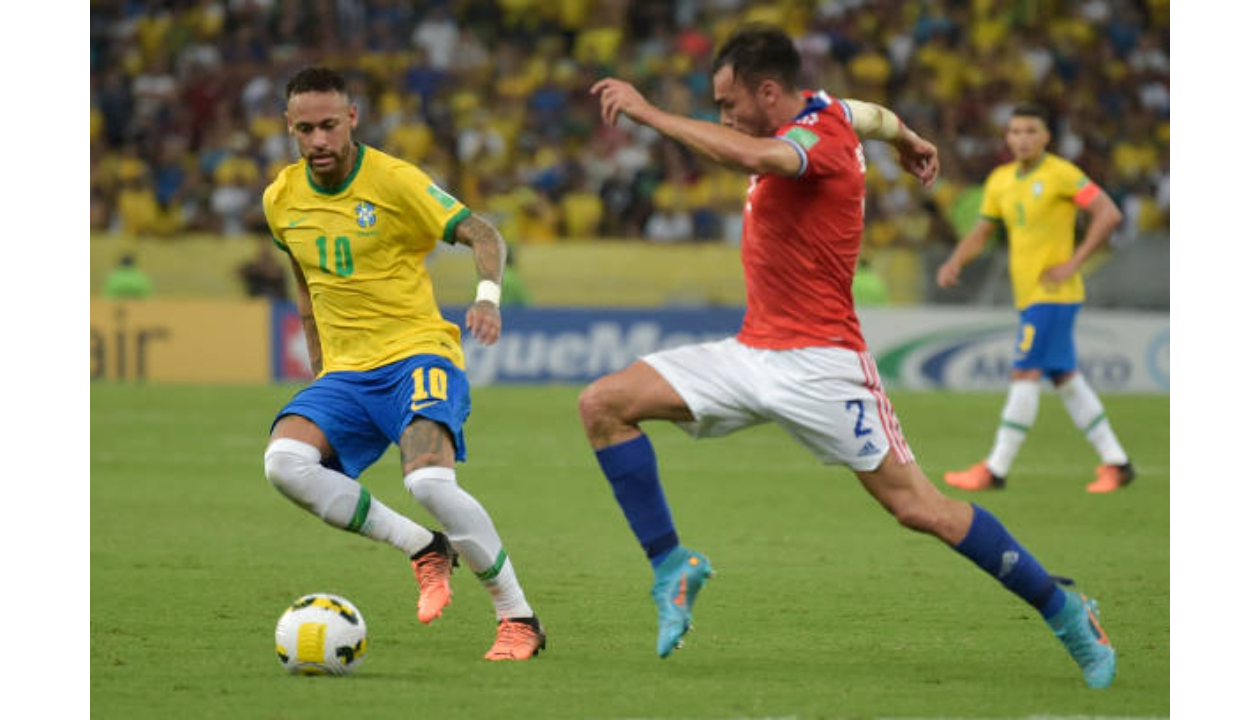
<point>487,246</point>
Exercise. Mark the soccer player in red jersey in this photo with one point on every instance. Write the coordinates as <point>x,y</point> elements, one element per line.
<point>799,360</point>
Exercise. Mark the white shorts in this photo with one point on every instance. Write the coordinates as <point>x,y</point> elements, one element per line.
<point>828,398</point>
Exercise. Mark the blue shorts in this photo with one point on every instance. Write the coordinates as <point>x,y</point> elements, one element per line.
<point>361,413</point>
<point>1045,340</point>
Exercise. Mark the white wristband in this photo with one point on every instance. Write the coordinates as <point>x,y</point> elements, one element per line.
<point>488,290</point>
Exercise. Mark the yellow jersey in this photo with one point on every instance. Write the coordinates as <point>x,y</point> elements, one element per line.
<point>1038,208</point>
<point>361,248</point>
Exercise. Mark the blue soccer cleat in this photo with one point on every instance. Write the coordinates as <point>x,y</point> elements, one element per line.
<point>678,581</point>
<point>1076,626</point>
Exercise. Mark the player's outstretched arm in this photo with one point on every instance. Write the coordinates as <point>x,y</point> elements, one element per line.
<point>731,148</point>
<point>872,121</point>
<point>1104,218</point>
<point>489,254</point>
<point>307,313</point>
<point>965,252</point>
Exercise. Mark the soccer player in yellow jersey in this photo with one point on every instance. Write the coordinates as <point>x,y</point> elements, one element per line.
<point>357,225</point>
<point>1036,198</point>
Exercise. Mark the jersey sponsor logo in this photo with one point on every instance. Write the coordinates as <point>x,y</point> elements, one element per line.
<point>868,449</point>
<point>802,137</point>
<point>366,213</point>
<point>292,223</point>
<point>417,406</point>
<point>445,200</point>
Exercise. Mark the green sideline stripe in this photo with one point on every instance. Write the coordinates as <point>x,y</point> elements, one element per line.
<point>360,511</point>
<point>493,571</point>
<point>1015,426</point>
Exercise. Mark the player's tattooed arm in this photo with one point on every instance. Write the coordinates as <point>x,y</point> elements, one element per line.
<point>489,250</point>
<point>489,255</point>
<point>307,313</point>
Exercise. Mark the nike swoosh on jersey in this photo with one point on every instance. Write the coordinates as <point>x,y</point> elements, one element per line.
<point>423,405</point>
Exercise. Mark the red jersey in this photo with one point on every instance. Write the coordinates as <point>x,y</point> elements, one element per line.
<point>801,236</point>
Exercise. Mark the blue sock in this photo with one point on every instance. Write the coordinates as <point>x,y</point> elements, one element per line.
<point>631,470</point>
<point>989,545</point>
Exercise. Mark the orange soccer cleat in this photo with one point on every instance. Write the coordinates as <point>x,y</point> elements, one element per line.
<point>1111,478</point>
<point>976,477</point>
<point>432,567</point>
<point>517,639</point>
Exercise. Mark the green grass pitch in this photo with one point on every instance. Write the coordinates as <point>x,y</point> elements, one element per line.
<point>822,606</point>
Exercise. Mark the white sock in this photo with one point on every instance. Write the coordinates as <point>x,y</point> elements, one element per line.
<point>293,468</point>
<point>1087,412</point>
<point>472,534</point>
<point>1017,419</point>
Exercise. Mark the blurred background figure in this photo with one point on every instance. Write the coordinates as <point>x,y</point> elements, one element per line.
<point>491,96</point>
<point>515,294</point>
<point>127,281</point>
<point>869,289</point>
<point>264,275</point>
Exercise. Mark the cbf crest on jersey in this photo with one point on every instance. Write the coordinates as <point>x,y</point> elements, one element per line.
<point>367,214</point>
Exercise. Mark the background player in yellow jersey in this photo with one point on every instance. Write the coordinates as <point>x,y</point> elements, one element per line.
<point>357,225</point>
<point>1036,197</point>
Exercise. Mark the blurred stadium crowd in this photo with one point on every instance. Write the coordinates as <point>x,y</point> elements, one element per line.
<point>491,98</point>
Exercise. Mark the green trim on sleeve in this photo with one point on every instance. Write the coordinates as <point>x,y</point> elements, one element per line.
<point>279,244</point>
<point>803,137</point>
<point>448,233</point>
<point>994,218</point>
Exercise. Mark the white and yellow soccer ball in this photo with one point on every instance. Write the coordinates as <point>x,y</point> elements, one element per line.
<point>321,634</point>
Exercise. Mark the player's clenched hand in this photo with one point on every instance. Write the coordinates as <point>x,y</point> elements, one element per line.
<point>947,275</point>
<point>919,158</point>
<point>1057,274</point>
<point>484,322</point>
<point>618,96</point>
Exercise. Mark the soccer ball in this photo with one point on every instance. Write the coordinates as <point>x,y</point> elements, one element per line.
<point>321,634</point>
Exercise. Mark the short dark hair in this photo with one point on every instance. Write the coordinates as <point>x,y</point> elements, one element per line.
<point>758,52</point>
<point>316,79</point>
<point>1035,110</point>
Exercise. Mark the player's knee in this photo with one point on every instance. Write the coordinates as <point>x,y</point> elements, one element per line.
<point>287,464</point>
<point>426,482</point>
<point>590,402</point>
<point>599,403</point>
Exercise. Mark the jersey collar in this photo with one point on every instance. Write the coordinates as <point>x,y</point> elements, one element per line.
<point>815,101</point>
<point>358,163</point>
<point>1021,174</point>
